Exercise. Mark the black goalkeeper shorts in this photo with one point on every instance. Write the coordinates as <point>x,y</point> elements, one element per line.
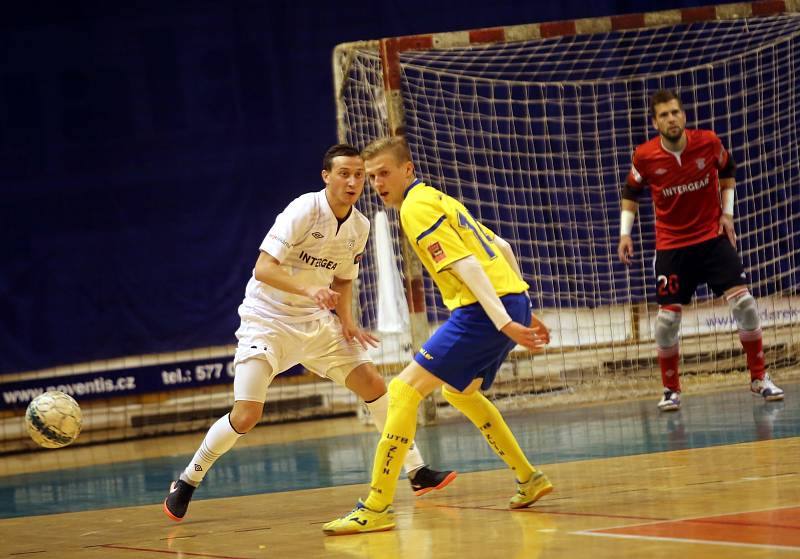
<point>680,270</point>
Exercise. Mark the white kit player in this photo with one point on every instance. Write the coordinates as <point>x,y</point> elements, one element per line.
<point>305,270</point>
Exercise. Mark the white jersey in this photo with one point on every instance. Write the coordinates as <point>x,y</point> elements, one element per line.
<point>313,248</point>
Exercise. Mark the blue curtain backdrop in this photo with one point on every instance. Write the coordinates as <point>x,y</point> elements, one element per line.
<point>145,149</point>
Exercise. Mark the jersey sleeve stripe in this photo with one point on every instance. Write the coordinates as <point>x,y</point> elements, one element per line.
<point>636,175</point>
<point>431,229</point>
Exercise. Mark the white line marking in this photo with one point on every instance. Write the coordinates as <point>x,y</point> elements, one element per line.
<point>687,540</point>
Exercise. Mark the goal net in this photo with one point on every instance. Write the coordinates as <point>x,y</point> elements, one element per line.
<point>533,128</point>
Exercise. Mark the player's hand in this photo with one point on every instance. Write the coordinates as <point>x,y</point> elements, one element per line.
<point>524,336</point>
<point>726,226</point>
<point>625,249</point>
<point>540,328</point>
<point>363,337</point>
<point>325,298</point>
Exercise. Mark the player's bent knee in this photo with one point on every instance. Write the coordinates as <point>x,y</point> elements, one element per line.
<point>245,415</point>
<point>403,394</point>
<point>668,324</point>
<point>458,399</point>
<point>744,310</point>
<point>244,423</point>
<point>365,381</point>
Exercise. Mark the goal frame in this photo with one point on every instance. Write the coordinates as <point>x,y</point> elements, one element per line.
<point>389,51</point>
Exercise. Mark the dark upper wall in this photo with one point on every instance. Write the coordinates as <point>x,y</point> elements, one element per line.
<point>145,149</point>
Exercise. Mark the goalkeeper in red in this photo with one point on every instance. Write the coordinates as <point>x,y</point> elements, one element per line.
<point>480,282</point>
<point>692,182</point>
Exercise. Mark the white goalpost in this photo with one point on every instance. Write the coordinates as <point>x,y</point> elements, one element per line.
<point>533,127</point>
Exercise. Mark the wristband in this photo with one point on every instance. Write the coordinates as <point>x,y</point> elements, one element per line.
<point>626,222</point>
<point>728,196</point>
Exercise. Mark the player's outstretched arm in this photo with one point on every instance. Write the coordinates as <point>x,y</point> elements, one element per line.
<point>625,247</point>
<point>268,270</point>
<point>344,310</point>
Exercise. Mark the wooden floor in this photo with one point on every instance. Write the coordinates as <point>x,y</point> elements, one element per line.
<point>737,500</point>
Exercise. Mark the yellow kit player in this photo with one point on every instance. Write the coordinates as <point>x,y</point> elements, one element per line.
<point>480,282</point>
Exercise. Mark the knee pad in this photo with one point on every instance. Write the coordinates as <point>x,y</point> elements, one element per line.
<point>744,311</point>
<point>668,324</point>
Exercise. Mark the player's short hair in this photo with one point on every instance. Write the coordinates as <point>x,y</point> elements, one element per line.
<point>663,96</point>
<point>338,150</point>
<point>396,145</point>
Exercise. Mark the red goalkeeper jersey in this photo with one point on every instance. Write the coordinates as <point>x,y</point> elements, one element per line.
<point>684,187</point>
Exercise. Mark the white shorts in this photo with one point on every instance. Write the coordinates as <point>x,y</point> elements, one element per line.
<point>317,344</point>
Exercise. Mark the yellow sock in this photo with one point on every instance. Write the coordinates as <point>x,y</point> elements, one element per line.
<point>491,424</point>
<point>397,437</point>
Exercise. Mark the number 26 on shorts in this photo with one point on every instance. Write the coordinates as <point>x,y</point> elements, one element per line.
<point>668,285</point>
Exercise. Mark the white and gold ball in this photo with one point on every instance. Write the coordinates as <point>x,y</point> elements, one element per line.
<point>53,419</point>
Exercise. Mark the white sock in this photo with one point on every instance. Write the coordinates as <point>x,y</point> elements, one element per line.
<point>378,409</point>
<point>219,440</point>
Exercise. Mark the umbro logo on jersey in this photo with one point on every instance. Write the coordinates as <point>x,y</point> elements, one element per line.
<point>351,243</point>
<point>661,171</point>
<point>317,235</point>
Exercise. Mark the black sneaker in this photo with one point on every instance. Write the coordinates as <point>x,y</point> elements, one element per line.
<point>426,479</point>
<point>176,503</point>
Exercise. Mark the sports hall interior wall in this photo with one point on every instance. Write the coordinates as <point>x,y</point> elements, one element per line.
<point>145,149</point>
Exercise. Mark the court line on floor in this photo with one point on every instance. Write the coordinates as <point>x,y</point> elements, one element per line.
<point>686,540</point>
<point>170,552</point>
<point>717,519</point>
<point>705,518</point>
<point>648,519</point>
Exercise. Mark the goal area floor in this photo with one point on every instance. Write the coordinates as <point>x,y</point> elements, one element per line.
<point>719,478</point>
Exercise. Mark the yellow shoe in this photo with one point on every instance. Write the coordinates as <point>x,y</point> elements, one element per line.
<point>361,519</point>
<point>531,491</point>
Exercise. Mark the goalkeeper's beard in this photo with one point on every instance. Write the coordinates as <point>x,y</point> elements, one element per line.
<point>673,138</point>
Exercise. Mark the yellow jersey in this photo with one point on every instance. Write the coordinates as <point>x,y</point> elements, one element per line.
<point>442,231</point>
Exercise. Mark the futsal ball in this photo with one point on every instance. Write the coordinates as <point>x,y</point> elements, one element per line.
<point>53,419</point>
